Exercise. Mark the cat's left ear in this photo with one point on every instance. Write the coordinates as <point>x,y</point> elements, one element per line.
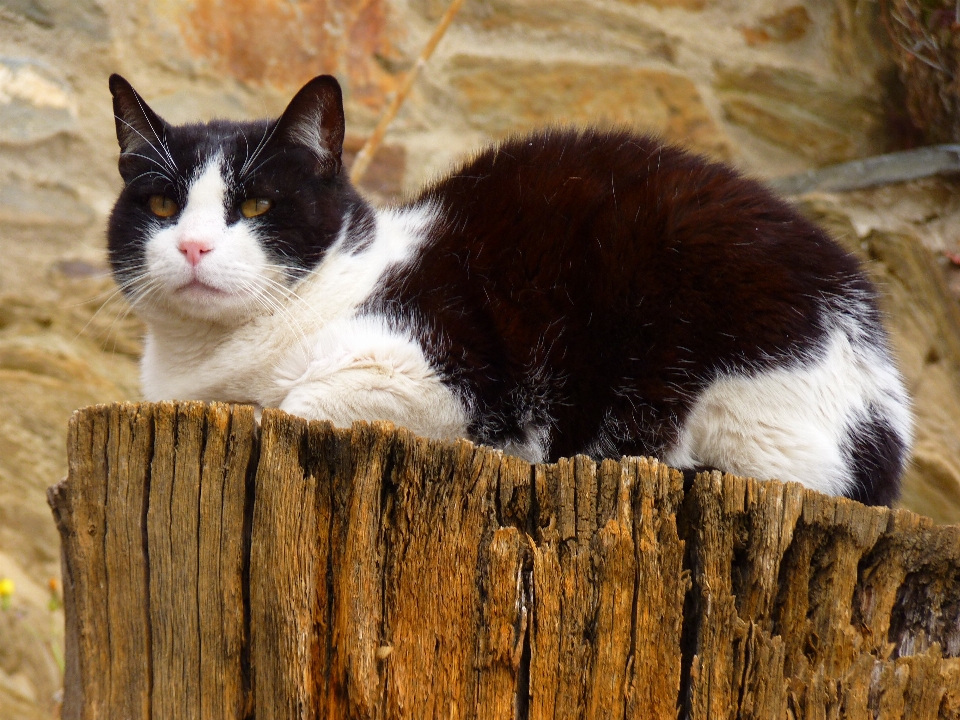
<point>314,119</point>
<point>137,125</point>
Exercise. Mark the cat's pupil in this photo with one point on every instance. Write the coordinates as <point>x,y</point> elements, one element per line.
<point>252,207</point>
<point>162,206</point>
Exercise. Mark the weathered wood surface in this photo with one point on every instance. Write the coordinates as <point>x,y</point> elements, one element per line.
<point>216,569</point>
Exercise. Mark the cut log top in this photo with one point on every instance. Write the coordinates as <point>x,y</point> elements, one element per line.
<point>214,568</point>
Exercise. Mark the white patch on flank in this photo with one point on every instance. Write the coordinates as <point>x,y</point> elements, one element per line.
<point>307,350</point>
<point>792,423</point>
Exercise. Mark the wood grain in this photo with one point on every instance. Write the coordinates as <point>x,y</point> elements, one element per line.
<point>214,568</point>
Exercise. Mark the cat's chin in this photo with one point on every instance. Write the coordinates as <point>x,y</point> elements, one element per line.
<point>200,292</point>
<point>197,301</point>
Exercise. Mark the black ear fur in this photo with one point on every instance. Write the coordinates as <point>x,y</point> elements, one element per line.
<point>137,125</point>
<point>314,119</point>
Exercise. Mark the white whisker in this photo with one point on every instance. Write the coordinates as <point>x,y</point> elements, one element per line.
<point>153,147</point>
<point>166,149</point>
<point>121,288</point>
<point>150,172</point>
<point>262,163</point>
<point>264,141</point>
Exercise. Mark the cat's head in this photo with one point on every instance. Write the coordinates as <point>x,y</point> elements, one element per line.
<point>216,221</point>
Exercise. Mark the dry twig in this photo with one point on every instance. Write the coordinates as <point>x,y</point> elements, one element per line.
<point>370,147</point>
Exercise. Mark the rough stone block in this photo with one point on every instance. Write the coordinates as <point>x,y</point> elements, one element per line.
<point>34,103</point>
<point>821,120</point>
<point>284,44</point>
<point>502,96</point>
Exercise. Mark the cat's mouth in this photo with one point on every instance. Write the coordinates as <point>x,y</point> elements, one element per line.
<point>196,287</point>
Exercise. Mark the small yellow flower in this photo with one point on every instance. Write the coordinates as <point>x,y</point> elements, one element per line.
<point>6,592</point>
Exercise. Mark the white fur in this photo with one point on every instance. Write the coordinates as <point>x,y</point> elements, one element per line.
<point>361,369</point>
<point>345,280</point>
<point>791,423</point>
<point>305,350</point>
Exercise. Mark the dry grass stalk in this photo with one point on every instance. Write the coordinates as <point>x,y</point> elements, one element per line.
<point>369,149</point>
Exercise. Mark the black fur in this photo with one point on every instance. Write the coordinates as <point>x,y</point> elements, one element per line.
<point>665,270</point>
<point>877,455</point>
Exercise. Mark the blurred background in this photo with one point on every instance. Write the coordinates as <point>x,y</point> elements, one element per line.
<point>775,87</point>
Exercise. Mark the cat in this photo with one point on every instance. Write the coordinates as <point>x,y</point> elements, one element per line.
<point>567,291</point>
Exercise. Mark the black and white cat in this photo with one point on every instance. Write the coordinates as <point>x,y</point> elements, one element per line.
<point>570,291</point>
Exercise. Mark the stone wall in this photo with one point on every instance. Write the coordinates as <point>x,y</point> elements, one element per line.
<point>774,86</point>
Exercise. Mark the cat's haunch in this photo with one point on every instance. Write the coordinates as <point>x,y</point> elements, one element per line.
<point>564,292</point>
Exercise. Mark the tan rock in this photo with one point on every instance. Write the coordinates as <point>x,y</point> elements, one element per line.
<point>86,17</point>
<point>503,96</point>
<point>34,104</point>
<point>285,44</point>
<point>384,177</point>
<point>682,4</point>
<point>785,26</point>
<point>31,650</point>
<point>858,47</point>
<point>27,202</point>
<point>571,22</point>
<point>819,119</point>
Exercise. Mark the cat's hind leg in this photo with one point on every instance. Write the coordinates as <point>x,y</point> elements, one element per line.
<point>837,422</point>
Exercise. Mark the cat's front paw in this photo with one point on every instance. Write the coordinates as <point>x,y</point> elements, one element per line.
<point>303,403</point>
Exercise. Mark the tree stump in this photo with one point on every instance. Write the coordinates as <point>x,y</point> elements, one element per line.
<point>216,568</point>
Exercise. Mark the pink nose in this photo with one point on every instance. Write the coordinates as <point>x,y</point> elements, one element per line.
<point>194,250</point>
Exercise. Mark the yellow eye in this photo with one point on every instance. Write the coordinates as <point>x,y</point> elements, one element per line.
<point>252,207</point>
<point>162,206</point>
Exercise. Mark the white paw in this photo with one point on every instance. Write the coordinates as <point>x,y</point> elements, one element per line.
<point>302,402</point>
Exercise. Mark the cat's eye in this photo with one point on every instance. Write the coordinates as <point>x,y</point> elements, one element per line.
<point>162,206</point>
<point>252,207</point>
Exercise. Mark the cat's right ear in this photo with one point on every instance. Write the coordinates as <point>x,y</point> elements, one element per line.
<point>314,119</point>
<point>138,126</point>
